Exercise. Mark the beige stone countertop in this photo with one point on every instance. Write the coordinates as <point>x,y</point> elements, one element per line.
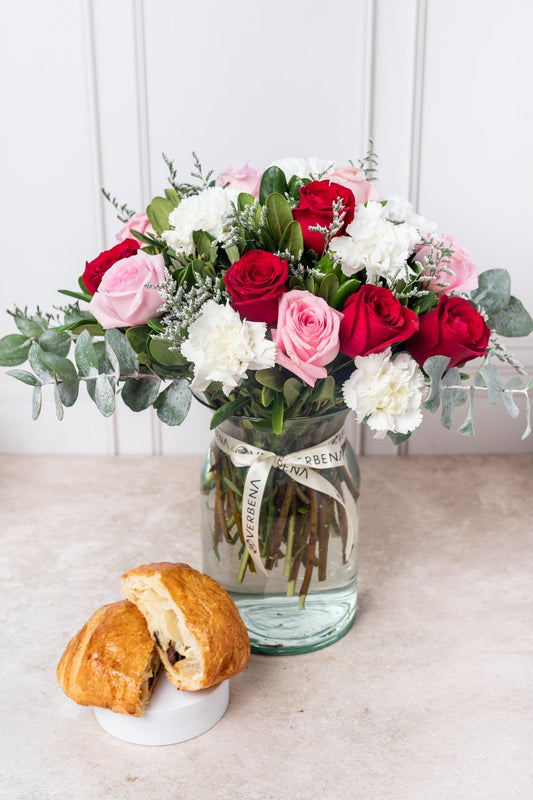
<point>428,697</point>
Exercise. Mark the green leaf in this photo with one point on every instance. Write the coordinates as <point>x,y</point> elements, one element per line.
<point>232,253</point>
<point>25,377</point>
<point>278,214</point>
<point>344,291</point>
<point>227,410</point>
<point>277,414</point>
<point>494,290</point>
<point>435,368</point>
<point>267,396</point>
<point>112,358</point>
<point>292,388</point>
<point>140,393</point>
<point>53,341</point>
<point>14,349</point>
<point>513,320</point>
<point>139,336</point>
<point>158,213</point>
<point>104,395</point>
<point>77,295</point>
<point>325,391</point>
<point>244,199</point>
<point>125,353</point>
<point>292,239</point>
<point>273,180</point>
<point>328,287</point>
<point>173,196</point>
<point>36,402</point>
<point>85,355</point>
<point>203,242</point>
<point>163,354</point>
<point>155,325</point>
<point>270,377</point>
<point>174,402</point>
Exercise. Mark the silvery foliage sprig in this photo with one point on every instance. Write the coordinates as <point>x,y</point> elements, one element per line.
<point>182,305</point>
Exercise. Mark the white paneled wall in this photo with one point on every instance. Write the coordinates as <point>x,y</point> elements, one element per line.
<point>98,89</point>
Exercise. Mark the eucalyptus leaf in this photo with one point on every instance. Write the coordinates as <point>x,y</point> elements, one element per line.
<point>492,381</point>
<point>63,368</point>
<point>29,326</point>
<point>514,320</point>
<point>435,367</point>
<point>85,355</point>
<point>467,428</point>
<point>140,393</point>
<point>125,353</point>
<point>53,341</point>
<point>68,394</point>
<point>58,403</point>
<point>25,377</point>
<point>174,402</point>
<point>508,398</point>
<point>494,290</point>
<point>14,349</point>
<point>451,397</point>
<point>112,358</point>
<point>37,402</point>
<point>38,364</point>
<point>104,395</point>
<point>398,438</point>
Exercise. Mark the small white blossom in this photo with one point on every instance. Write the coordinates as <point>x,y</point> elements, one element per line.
<point>304,167</point>
<point>223,347</point>
<point>207,211</point>
<point>375,243</point>
<point>398,209</point>
<point>386,392</point>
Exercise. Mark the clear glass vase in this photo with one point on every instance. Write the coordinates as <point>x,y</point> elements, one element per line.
<point>279,528</point>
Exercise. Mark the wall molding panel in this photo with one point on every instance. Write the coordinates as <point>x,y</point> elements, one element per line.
<point>122,88</point>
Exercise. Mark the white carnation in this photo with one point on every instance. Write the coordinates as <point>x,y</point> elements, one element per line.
<point>223,347</point>
<point>207,211</point>
<point>304,167</point>
<point>375,243</point>
<point>386,392</point>
<point>398,209</point>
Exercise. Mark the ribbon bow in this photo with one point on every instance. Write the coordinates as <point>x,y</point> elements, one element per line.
<point>301,466</point>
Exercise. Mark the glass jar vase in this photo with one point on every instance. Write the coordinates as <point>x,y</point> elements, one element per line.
<point>279,528</point>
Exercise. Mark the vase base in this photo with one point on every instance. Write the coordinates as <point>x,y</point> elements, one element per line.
<point>277,626</point>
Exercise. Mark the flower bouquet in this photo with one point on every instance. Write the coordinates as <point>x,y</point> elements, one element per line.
<point>281,298</point>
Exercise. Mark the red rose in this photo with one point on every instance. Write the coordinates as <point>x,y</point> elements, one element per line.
<point>316,208</point>
<point>453,329</point>
<point>96,269</point>
<point>256,282</point>
<point>374,319</point>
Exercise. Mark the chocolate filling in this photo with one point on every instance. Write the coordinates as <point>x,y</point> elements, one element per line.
<point>173,655</point>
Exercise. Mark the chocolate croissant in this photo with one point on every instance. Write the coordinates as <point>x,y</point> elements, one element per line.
<point>111,662</point>
<point>195,624</point>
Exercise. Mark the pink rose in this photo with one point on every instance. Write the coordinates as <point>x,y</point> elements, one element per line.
<point>123,297</point>
<point>139,222</point>
<point>354,178</point>
<point>307,335</point>
<point>242,178</point>
<point>464,271</point>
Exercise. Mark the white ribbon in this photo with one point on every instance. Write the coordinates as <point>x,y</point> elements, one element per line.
<point>301,466</point>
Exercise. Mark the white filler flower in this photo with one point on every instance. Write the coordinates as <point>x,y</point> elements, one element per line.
<point>207,211</point>
<point>223,347</point>
<point>374,243</point>
<point>386,392</point>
